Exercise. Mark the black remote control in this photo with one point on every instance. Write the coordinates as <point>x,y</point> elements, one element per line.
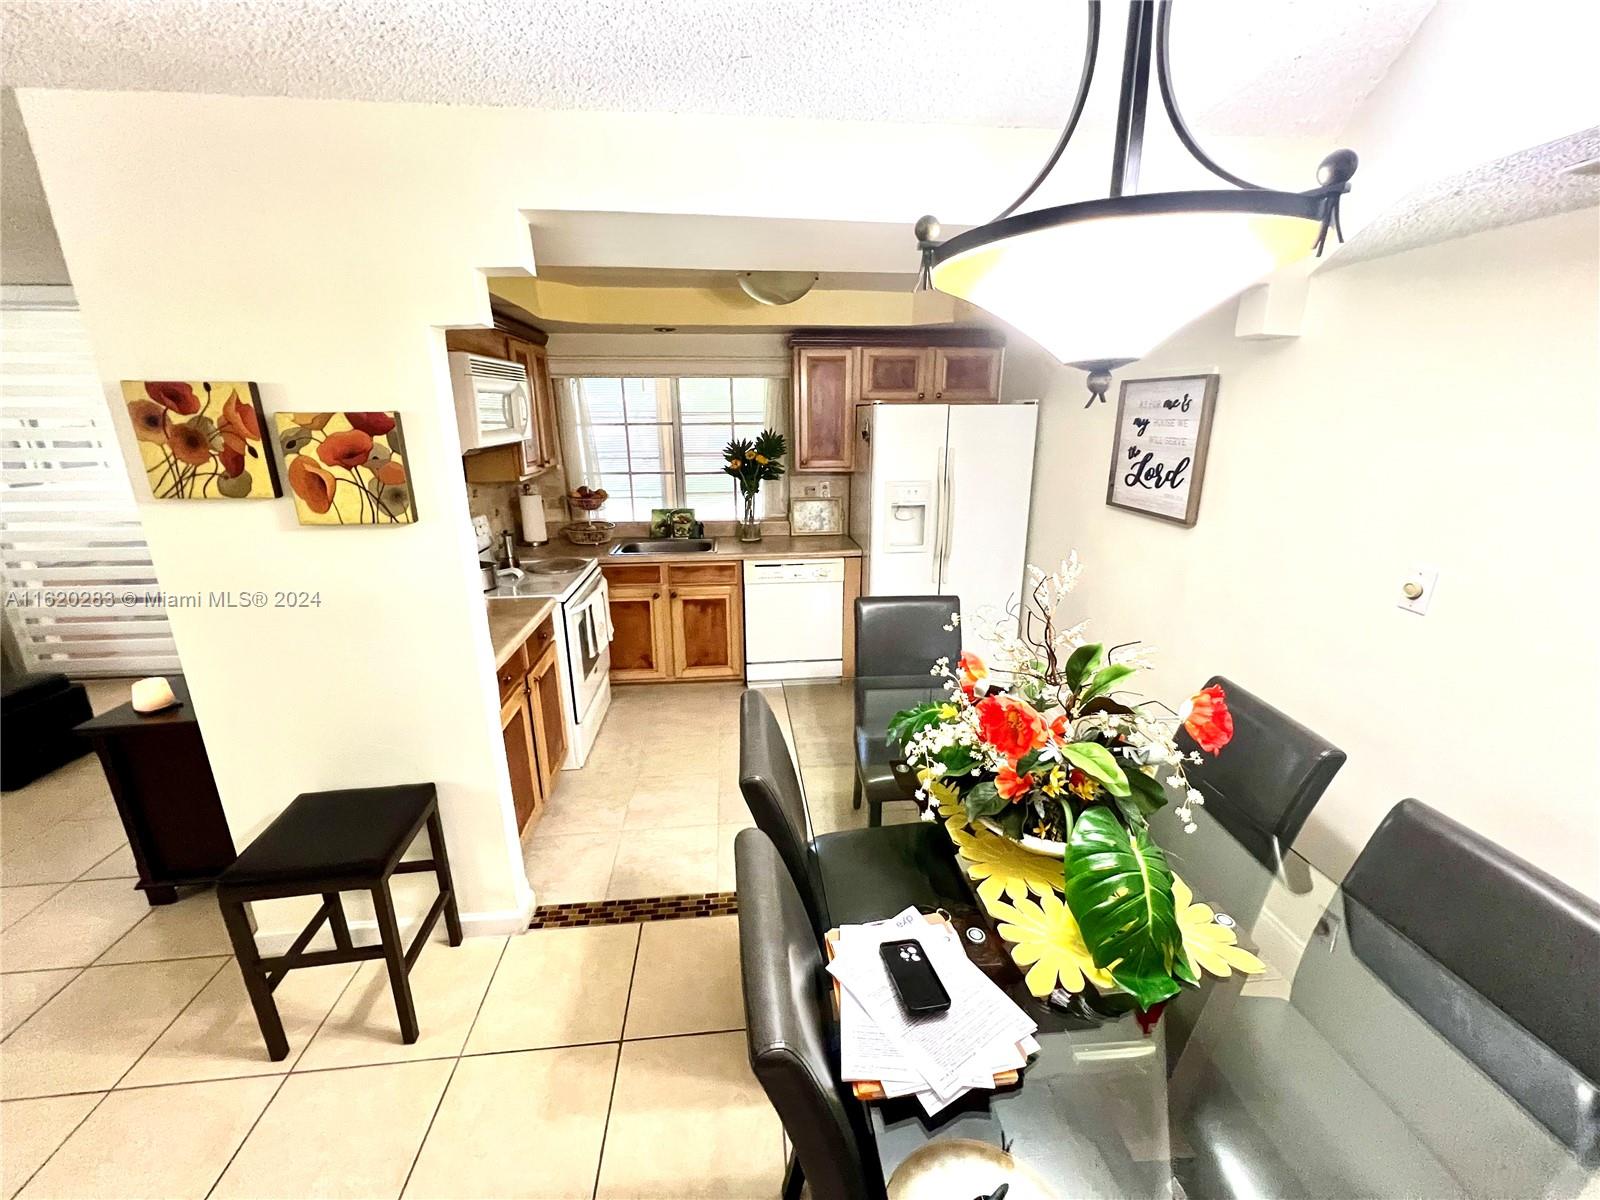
<point>915,982</point>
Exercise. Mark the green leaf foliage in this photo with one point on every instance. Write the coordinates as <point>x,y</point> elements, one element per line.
<point>1105,679</point>
<point>1119,889</point>
<point>1011,821</point>
<point>1148,794</point>
<point>982,800</point>
<point>1095,761</point>
<point>1084,662</point>
<point>912,721</point>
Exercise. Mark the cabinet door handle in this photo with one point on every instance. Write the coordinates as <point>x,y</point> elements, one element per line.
<point>674,595</point>
<point>655,595</point>
<point>938,395</point>
<point>921,395</point>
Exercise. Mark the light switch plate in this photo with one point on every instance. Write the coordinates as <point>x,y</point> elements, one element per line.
<point>1425,578</point>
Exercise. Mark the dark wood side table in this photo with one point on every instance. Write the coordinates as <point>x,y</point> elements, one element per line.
<point>161,780</point>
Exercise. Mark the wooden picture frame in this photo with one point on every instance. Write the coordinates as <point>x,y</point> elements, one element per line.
<point>1158,455</point>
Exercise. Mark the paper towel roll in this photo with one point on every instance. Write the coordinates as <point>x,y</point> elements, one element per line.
<point>533,530</point>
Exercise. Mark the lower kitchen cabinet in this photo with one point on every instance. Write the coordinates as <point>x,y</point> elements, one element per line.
<point>533,722</point>
<point>676,621</point>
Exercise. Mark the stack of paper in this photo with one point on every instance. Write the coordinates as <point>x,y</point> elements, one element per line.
<point>937,1058</point>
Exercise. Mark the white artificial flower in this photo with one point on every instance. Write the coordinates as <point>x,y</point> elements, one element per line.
<point>1196,796</point>
<point>1190,827</point>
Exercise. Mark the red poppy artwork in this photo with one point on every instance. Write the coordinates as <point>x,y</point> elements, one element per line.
<point>347,468</point>
<point>201,440</point>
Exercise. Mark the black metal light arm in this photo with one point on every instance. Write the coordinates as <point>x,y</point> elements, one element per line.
<point>1170,101</point>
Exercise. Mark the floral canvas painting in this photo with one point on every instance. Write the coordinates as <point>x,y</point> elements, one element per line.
<point>201,440</point>
<point>347,468</point>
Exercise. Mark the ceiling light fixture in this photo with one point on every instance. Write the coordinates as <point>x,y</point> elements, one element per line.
<point>1100,282</point>
<point>776,287</point>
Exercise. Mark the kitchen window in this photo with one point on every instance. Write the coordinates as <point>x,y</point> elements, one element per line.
<point>656,441</point>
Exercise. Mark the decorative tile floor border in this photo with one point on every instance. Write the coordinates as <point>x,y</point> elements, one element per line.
<point>631,912</point>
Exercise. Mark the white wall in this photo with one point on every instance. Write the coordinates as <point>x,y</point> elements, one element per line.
<point>1440,409</point>
<point>317,247</point>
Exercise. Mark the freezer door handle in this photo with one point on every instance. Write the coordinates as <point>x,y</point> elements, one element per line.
<point>939,501</point>
<point>946,505</point>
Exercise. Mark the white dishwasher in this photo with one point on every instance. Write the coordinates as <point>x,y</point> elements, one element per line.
<point>794,619</point>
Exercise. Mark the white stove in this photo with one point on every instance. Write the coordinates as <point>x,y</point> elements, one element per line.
<point>583,640</point>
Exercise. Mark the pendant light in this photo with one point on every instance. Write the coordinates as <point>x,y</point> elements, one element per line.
<point>1100,282</point>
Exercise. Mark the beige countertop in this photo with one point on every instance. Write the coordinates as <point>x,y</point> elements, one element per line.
<point>512,620</point>
<point>771,546</point>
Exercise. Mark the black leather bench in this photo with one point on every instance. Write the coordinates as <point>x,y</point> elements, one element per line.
<point>37,716</point>
<point>325,843</point>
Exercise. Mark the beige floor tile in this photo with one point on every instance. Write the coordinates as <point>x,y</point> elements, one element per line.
<point>727,874</point>
<point>672,801</point>
<point>688,1119</point>
<point>73,927</point>
<point>687,979</point>
<point>60,795</point>
<point>447,986</point>
<point>61,853</point>
<point>217,1036</point>
<point>118,864</point>
<point>18,902</point>
<point>30,1131</point>
<point>352,1133</point>
<point>732,808</point>
<point>98,1025</point>
<point>558,987</point>
<point>665,862</point>
<point>546,1144</point>
<point>23,993</point>
<point>571,869</point>
<point>191,928</point>
<point>824,751</point>
<point>586,808</point>
<point>154,1142</point>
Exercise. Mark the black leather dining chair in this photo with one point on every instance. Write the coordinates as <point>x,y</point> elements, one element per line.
<point>1502,963</point>
<point>897,636</point>
<point>849,876</point>
<point>789,1032</point>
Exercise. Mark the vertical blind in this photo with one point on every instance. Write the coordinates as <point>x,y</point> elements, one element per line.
<point>72,553</point>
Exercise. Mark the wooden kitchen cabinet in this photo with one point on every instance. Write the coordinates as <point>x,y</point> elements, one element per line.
<point>825,393</point>
<point>895,372</point>
<point>676,621</point>
<point>532,722</point>
<point>966,374</point>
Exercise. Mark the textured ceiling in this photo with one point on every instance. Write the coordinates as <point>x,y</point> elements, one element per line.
<point>1248,67</point>
<point>1524,186</point>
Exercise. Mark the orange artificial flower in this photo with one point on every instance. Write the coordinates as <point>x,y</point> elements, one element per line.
<point>1011,786</point>
<point>1206,717</point>
<point>149,419</point>
<point>239,424</point>
<point>348,449</point>
<point>1010,725</point>
<point>311,483</point>
<point>1082,786</point>
<point>972,668</point>
<point>1058,726</point>
<point>189,445</point>
<point>179,397</point>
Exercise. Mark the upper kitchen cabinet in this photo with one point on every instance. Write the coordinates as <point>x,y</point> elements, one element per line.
<point>825,395</point>
<point>540,449</point>
<point>835,370</point>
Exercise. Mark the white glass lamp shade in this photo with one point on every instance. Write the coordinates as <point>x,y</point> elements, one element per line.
<point>1115,286</point>
<point>152,694</point>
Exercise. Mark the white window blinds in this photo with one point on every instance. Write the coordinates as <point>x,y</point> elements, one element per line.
<point>71,548</point>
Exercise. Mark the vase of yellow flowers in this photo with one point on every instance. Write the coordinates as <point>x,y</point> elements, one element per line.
<point>752,464</point>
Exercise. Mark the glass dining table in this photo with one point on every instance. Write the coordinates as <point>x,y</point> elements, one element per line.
<point>1314,1078</point>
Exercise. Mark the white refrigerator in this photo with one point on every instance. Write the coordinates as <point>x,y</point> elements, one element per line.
<point>939,501</point>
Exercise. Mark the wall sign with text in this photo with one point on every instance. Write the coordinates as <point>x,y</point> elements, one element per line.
<point>1159,458</point>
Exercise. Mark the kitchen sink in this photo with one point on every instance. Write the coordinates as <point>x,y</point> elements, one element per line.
<point>666,546</point>
<point>554,566</point>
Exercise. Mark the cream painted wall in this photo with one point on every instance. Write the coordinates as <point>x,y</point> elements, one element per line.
<point>318,247</point>
<point>1440,409</point>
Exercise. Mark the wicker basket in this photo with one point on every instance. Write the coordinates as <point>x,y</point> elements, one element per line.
<point>589,533</point>
<point>586,503</point>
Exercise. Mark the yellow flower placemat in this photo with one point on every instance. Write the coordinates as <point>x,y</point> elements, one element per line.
<point>1004,868</point>
<point>1209,946</point>
<point>947,802</point>
<point>1046,942</point>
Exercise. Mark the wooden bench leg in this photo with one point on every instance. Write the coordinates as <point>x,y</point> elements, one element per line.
<point>394,953</point>
<point>447,887</point>
<point>255,979</point>
<point>341,927</point>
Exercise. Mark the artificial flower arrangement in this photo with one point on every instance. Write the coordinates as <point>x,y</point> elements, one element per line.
<point>1042,758</point>
<point>752,464</point>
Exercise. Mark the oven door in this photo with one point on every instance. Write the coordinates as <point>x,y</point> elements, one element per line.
<point>588,617</point>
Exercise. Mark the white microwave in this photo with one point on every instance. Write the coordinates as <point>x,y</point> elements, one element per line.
<point>492,403</point>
